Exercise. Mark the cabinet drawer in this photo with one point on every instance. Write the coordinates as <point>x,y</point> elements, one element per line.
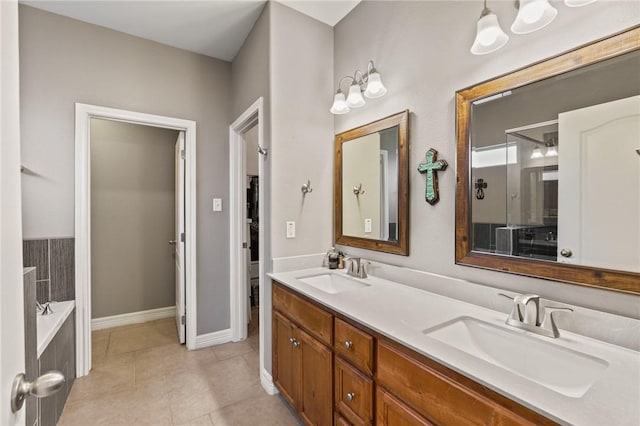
<point>312,318</point>
<point>355,345</point>
<point>437,397</point>
<point>392,412</point>
<point>340,421</point>
<point>353,394</point>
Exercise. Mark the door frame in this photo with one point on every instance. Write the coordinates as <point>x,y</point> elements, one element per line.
<point>237,271</point>
<point>83,114</point>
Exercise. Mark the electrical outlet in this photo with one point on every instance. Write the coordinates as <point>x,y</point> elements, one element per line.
<point>217,204</point>
<point>367,226</point>
<point>291,229</point>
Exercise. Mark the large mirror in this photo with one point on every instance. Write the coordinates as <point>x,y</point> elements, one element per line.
<point>371,186</point>
<point>549,168</point>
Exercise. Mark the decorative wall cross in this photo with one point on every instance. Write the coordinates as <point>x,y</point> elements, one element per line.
<point>430,167</point>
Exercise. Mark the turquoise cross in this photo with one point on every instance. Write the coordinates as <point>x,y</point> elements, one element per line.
<point>430,168</point>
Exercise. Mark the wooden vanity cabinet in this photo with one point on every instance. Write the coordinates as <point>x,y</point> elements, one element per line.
<point>335,371</point>
<point>302,363</point>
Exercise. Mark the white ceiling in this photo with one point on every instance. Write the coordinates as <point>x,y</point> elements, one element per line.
<point>215,28</point>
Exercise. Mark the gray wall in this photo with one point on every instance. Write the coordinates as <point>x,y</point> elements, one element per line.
<point>302,131</point>
<point>63,61</point>
<point>423,60</point>
<point>132,217</point>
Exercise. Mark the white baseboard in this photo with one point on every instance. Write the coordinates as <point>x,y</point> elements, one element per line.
<point>212,339</point>
<point>267,382</point>
<point>133,318</point>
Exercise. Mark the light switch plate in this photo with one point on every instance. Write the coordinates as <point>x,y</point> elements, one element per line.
<point>291,229</point>
<point>367,226</point>
<point>217,204</point>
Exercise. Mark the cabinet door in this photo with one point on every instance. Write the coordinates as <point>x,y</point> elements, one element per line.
<point>316,381</point>
<point>284,364</point>
<point>392,412</point>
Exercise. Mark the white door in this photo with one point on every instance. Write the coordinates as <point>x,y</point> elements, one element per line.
<point>11,286</point>
<point>599,185</point>
<point>179,240</point>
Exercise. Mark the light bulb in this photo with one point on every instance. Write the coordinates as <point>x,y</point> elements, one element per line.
<point>489,35</point>
<point>355,99</point>
<point>339,104</point>
<point>533,15</point>
<point>375,88</point>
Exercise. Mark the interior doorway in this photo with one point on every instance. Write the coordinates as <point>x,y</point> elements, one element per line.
<point>183,159</point>
<point>247,141</point>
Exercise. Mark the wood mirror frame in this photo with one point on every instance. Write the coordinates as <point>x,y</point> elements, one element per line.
<point>401,120</point>
<point>603,49</point>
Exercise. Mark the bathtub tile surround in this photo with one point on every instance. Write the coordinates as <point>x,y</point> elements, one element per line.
<point>54,260</point>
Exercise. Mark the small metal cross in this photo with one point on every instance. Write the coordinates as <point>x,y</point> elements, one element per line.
<point>430,167</point>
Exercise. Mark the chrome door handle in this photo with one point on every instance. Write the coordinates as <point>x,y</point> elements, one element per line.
<point>172,242</point>
<point>45,385</point>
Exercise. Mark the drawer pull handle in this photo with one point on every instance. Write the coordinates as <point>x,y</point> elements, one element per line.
<point>348,344</point>
<point>351,396</point>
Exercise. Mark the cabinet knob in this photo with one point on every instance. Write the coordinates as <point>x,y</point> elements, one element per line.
<point>292,339</point>
<point>351,396</point>
<point>348,344</point>
<point>566,252</point>
<point>296,344</point>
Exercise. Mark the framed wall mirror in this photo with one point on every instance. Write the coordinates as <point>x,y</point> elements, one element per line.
<point>548,168</point>
<point>371,186</point>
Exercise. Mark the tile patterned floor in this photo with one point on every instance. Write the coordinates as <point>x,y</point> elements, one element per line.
<point>142,376</point>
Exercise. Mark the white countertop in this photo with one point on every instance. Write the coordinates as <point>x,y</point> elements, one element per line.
<point>48,325</point>
<point>402,313</point>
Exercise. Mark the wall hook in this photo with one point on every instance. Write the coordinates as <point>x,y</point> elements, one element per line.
<point>306,188</point>
<point>263,151</point>
<point>357,189</point>
<point>480,185</point>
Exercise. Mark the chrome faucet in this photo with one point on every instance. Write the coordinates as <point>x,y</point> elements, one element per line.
<point>525,314</point>
<point>356,267</point>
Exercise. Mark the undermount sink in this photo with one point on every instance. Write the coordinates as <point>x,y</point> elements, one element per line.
<point>566,371</point>
<point>332,283</point>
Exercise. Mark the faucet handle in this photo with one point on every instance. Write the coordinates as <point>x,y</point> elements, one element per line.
<point>516,313</point>
<point>549,323</point>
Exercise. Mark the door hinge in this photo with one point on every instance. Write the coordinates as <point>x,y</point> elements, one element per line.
<point>182,237</point>
<point>182,154</point>
<point>245,245</point>
<point>183,319</point>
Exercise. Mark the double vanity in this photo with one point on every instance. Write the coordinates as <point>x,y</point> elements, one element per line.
<point>402,355</point>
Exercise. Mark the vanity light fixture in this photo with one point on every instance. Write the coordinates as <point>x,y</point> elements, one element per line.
<point>577,3</point>
<point>489,34</point>
<point>537,153</point>
<point>369,83</point>
<point>533,15</point>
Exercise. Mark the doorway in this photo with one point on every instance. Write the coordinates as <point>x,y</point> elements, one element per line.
<point>185,243</point>
<point>248,123</point>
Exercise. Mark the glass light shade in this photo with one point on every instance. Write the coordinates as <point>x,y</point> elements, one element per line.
<point>355,99</point>
<point>375,88</point>
<point>489,35</point>
<point>339,104</point>
<point>551,152</point>
<point>577,3</point>
<point>533,15</point>
<point>537,153</point>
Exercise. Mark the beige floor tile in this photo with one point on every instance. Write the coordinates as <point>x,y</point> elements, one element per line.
<point>229,350</point>
<point>137,338</point>
<point>200,421</point>
<point>264,411</point>
<point>114,375</point>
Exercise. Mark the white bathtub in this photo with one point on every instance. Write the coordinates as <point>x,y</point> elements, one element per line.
<point>48,325</point>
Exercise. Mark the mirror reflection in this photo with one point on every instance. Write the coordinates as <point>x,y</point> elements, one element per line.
<point>370,186</point>
<point>555,168</point>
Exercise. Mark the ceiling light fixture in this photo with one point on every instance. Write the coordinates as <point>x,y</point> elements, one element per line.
<point>489,34</point>
<point>532,16</point>
<point>369,83</point>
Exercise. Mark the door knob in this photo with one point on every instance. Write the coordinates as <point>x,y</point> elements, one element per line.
<point>45,385</point>
<point>566,253</point>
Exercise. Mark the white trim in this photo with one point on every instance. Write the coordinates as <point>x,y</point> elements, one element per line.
<point>266,380</point>
<point>213,339</point>
<point>133,318</point>
<point>84,113</point>
<point>237,271</point>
